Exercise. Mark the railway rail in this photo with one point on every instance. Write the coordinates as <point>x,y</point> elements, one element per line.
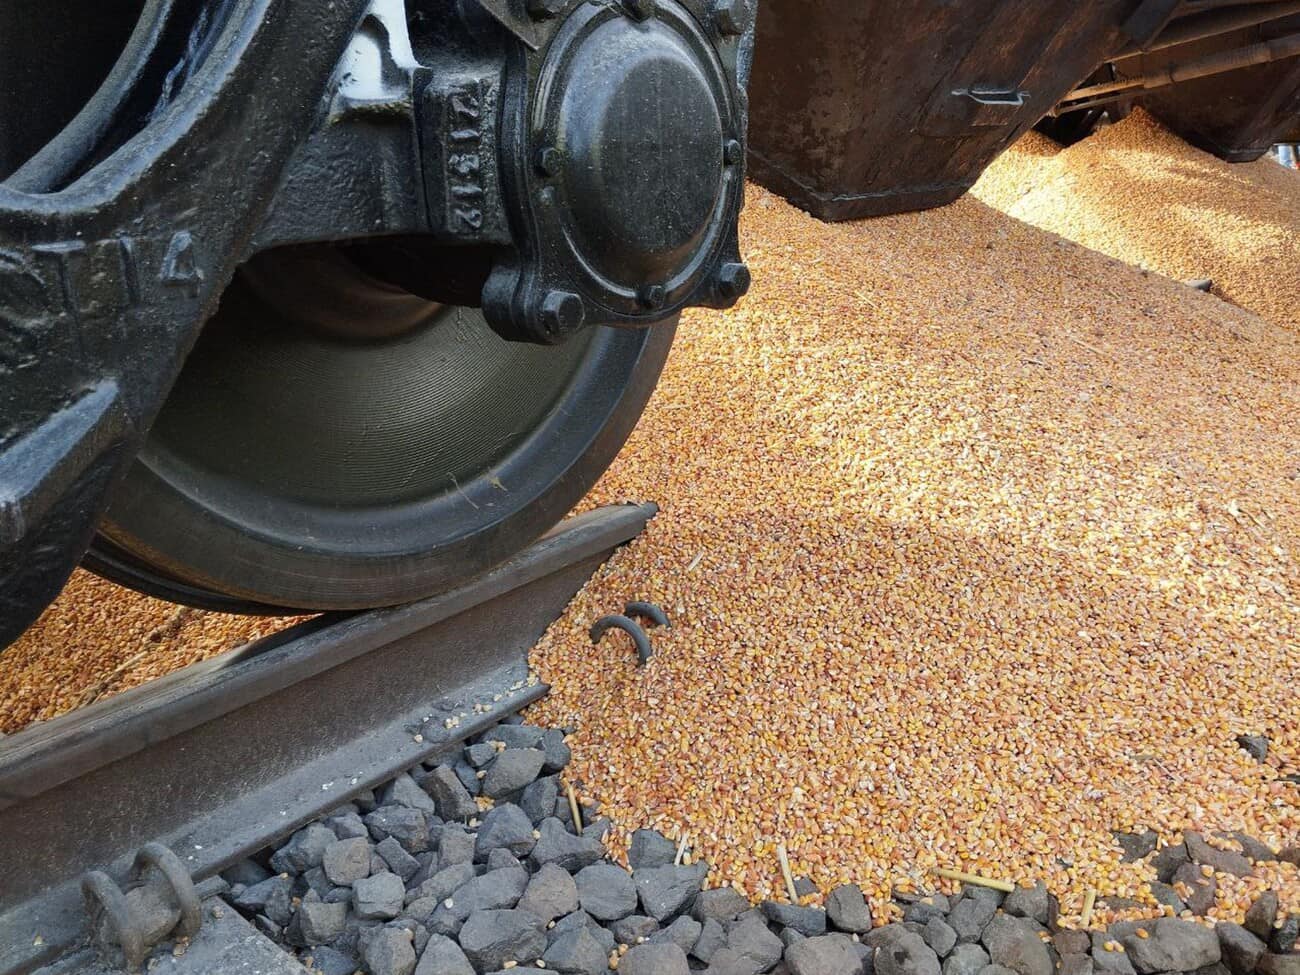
<point>218,760</point>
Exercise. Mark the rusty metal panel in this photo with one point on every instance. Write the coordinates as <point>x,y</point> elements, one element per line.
<point>861,109</point>
<point>1237,116</point>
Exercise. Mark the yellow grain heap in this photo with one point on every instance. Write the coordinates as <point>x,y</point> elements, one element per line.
<point>1137,192</point>
<point>98,639</point>
<point>977,546</point>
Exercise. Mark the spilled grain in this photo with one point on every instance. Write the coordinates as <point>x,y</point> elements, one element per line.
<point>978,545</point>
<point>98,639</point>
<point>1137,192</point>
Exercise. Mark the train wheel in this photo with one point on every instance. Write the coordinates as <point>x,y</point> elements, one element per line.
<point>337,442</point>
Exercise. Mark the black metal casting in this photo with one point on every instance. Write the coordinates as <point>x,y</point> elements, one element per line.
<point>524,167</point>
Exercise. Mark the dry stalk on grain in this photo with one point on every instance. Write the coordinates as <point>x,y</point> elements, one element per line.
<point>681,848</point>
<point>974,878</point>
<point>784,861</point>
<point>574,810</point>
<point>1089,902</point>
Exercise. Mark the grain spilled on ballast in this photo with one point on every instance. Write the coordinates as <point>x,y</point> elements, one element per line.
<point>977,545</point>
<point>98,639</point>
<point>1139,193</point>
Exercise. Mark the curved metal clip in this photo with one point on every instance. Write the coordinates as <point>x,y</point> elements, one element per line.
<point>631,628</point>
<point>647,611</point>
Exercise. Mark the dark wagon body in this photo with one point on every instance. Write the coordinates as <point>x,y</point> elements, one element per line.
<point>862,109</point>
<point>877,107</point>
<point>1238,115</point>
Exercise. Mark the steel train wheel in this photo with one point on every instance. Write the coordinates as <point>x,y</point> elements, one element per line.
<point>335,442</point>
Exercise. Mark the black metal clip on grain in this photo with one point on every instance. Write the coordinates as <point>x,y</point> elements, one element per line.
<point>626,623</point>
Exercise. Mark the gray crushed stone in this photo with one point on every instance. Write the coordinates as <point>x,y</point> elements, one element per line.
<point>416,879</point>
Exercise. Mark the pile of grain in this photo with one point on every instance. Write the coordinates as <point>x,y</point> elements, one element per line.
<point>98,639</point>
<point>1137,192</point>
<point>978,545</point>
<point>1023,168</point>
